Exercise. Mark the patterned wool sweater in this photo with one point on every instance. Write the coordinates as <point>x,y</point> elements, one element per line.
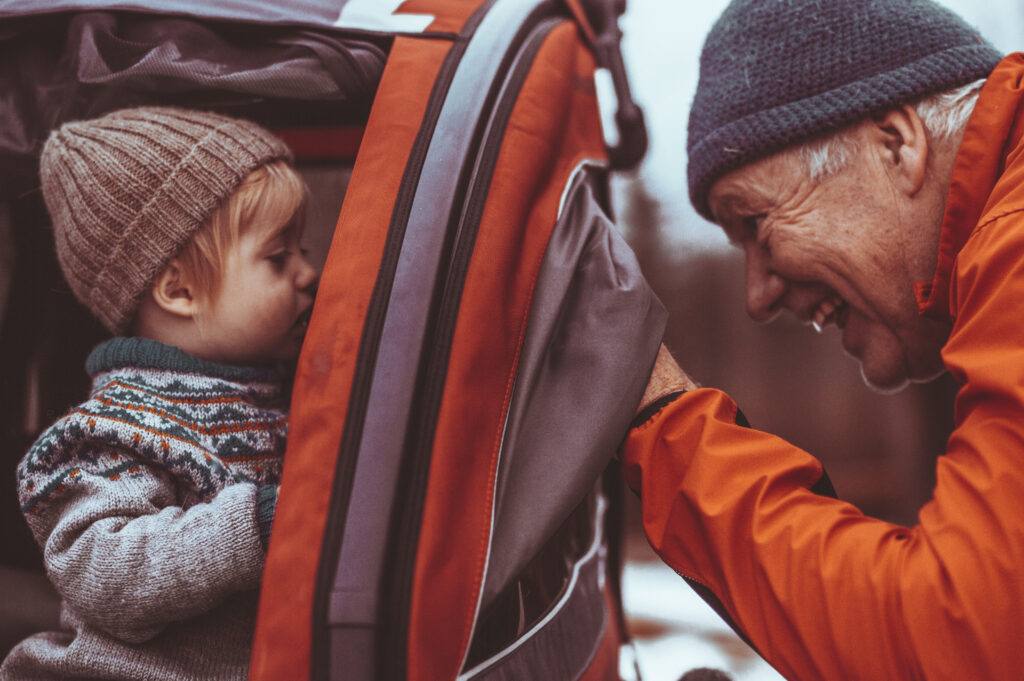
<point>152,502</point>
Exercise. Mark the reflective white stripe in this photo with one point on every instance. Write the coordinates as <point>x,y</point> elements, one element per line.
<point>591,554</point>
<point>585,163</point>
<point>379,15</point>
<point>607,105</point>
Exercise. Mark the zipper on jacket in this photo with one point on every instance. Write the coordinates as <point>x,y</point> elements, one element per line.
<point>716,604</point>
<point>396,603</point>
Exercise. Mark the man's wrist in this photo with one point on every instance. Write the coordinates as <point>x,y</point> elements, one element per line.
<point>666,379</point>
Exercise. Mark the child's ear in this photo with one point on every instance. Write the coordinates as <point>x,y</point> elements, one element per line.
<point>173,292</point>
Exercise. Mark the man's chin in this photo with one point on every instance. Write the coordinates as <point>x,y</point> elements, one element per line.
<point>896,379</point>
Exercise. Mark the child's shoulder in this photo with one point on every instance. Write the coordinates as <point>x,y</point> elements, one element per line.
<point>73,446</point>
<point>124,411</point>
<point>190,427</point>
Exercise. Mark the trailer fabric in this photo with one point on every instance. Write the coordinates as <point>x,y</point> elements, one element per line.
<point>544,143</point>
<point>283,639</point>
<point>377,16</point>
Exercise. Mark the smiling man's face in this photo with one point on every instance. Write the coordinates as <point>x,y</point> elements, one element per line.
<point>844,250</point>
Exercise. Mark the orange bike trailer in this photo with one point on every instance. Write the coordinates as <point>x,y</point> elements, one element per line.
<point>481,333</point>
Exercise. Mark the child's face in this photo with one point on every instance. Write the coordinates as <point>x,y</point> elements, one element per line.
<point>261,309</point>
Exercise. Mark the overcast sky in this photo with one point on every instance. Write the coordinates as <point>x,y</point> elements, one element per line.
<point>662,46</point>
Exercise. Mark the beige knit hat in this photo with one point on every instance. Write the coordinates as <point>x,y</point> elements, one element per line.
<point>128,190</point>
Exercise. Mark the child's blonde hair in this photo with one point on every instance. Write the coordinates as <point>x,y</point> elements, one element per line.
<point>270,196</point>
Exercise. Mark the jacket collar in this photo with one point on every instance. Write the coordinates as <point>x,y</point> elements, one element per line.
<point>994,129</point>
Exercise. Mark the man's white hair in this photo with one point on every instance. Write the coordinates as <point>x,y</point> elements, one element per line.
<point>944,116</point>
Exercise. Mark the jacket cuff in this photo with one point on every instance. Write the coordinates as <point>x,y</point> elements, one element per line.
<point>649,412</point>
<point>266,505</point>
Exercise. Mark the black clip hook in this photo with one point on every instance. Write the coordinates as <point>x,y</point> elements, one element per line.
<point>632,144</point>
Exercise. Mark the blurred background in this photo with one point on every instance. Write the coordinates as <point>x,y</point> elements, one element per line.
<point>879,450</point>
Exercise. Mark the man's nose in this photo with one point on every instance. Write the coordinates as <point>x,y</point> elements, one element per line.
<point>764,288</point>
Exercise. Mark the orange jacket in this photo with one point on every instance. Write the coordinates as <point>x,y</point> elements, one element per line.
<point>823,591</point>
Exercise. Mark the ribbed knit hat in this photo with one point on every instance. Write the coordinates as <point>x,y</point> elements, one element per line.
<point>128,190</point>
<point>774,73</point>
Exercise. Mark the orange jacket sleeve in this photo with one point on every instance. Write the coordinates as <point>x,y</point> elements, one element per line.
<point>823,591</point>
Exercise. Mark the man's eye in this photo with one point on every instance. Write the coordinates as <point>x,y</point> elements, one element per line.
<point>279,258</point>
<point>744,229</point>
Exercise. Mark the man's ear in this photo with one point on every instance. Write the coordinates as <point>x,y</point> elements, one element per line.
<point>902,141</point>
<point>173,292</point>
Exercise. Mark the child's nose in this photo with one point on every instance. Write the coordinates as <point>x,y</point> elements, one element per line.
<point>306,279</point>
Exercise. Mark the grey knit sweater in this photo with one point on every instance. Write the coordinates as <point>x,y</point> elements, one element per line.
<point>152,502</point>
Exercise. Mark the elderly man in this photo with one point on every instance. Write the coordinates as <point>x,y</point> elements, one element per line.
<point>867,156</point>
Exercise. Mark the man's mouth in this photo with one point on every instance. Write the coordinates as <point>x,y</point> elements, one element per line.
<point>831,310</point>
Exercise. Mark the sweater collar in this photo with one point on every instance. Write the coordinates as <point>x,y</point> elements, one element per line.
<point>145,353</point>
<point>994,130</point>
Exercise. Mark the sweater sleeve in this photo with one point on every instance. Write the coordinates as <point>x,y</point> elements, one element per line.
<point>129,559</point>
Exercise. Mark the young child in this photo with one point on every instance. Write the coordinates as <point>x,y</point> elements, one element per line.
<point>153,499</point>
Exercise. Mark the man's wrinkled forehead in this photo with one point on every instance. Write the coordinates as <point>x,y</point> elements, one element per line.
<point>745,191</point>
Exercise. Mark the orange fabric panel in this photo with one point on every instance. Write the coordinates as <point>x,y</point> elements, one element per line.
<point>450,16</point>
<point>975,170</point>
<point>327,363</point>
<point>823,591</point>
<point>554,124</point>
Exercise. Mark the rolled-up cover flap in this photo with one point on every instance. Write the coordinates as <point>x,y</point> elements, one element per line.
<point>594,330</point>
<point>72,67</point>
<point>377,16</point>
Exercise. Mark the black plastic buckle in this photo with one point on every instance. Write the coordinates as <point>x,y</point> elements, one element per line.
<point>629,117</point>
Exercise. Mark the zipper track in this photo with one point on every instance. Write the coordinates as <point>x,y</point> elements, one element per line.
<point>366,360</point>
<point>408,518</point>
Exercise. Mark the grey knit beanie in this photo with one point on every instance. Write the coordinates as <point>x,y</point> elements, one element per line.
<point>774,73</point>
<point>128,190</point>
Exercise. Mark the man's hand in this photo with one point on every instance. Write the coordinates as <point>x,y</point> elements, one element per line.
<point>666,378</point>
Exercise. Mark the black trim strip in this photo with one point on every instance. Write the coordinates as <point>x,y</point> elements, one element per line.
<point>823,487</point>
<point>652,409</point>
<point>396,603</point>
<point>716,604</point>
<point>741,419</point>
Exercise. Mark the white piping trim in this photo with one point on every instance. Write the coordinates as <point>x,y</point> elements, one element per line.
<point>490,531</point>
<point>381,15</point>
<point>591,553</point>
<point>587,162</point>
